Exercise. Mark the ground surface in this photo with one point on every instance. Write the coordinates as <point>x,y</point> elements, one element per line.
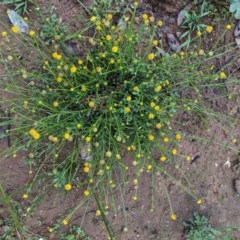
<point>131,220</point>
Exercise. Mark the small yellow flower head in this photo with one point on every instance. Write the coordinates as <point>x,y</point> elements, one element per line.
<point>127,109</point>
<point>15,29</point>
<point>34,134</point>
<point>145,16</point>
<point>198,33</point>
<point>83,88</point>
<point>31,33</point>
<point>114,49</point>
<point>155,42</point>
<point>108,37</point>
<point>199,201</point>
<point>129,98</point>
<point>210,54</point>
<point>150,137</point>
<point>135,198</point>
<point>152,19</point>
<point>91,104</point>
<point>149,167</point>
<point>55,104</point>
<point>73,69</point>
<point>150,56</point>
<point>86,169</point>
<point>174,151</point>
<point>25,196</point>
<point>174,217</point>
<point>209,29</point>
<point>160,23</point>
<point>88,139</point>
<point>163,158</point>
<point>182,53</point>
<point>108,154</point>
<point>188,158</point>
<point>166,139</point>
<point>158,88</point>
<point>178,136</point>
<point>150,115</point>
<point>98,213</point>
<point>158,125</point>
<point>56,56</point>
<point>136,89</point>
<point>65,221</point>
<point>80,61</point>
<point>152,104</point>
<point>109,16</point>
<point>201,52</point>
<point>93,19</point>
<point>228,26</point>
<point>67,136</point>
<point>86,193</point>
<point>234,140</point>
<point>4,33</point>
<point>68,187</point>
<point>59,79</point>
<point>222,75</point>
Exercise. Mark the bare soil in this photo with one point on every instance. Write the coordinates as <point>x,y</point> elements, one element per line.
<point>211,174</point>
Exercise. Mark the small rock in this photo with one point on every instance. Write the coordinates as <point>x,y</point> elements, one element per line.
<point>236,184</point>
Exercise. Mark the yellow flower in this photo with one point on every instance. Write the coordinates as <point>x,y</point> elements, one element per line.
<point>88,139</point>
<point>222,75</point>
<point>158,125</point>
<point>86,169</point>
<point>67,136</point>
<point>152,104</point>
<point>228,26</point>
<point>57,56</point>
<point>114,49</point>
<point>93,19</point>
<point>209,29</point>
<point>68,187</point>
<point>80,61</point>
<point>31,33</point>
<point>136,88</point>
<point>157,108</point>
<point>152,19</point>
<point>188,158</point>
<point>109,16</point>
<point>150,56</point>
<point>155,42</point>
<point>201,52</point>
<point>150,137</point>
<point>160,23</point>
<point>86,193</point>
<point>198,33</point>
<point>108,37</point>
<point>83,88</point>
<point>145,16</point>
<point>65,221</point>
<point>158,88</point>
<point>73,69</point>
<point>97,213</point>
<point>55,104</point>
<point>149,167</point>
<point>174,217</point>
<point>59,79</point>
<point>174,151</point>
<point>178,136</point>
<point>108,154</point>
<point>127,109</point>
<point>166,139</point>
<point>34,134</point>
<point>25,196</point>
<point>150,115</point>
<point>163,158</point>
<point>4,33</point>
<point>199,201</point>
<point>91,104</point>
<point>128,98</point>
<point>15,29</point>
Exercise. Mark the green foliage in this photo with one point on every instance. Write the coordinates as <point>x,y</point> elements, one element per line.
<point>76,233</point>
<point>235,8</point>
<point>21,6</point>
<point>198,227</point>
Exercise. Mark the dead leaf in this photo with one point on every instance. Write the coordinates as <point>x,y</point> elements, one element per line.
<point>173,42</point>
<point>237,33</point>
